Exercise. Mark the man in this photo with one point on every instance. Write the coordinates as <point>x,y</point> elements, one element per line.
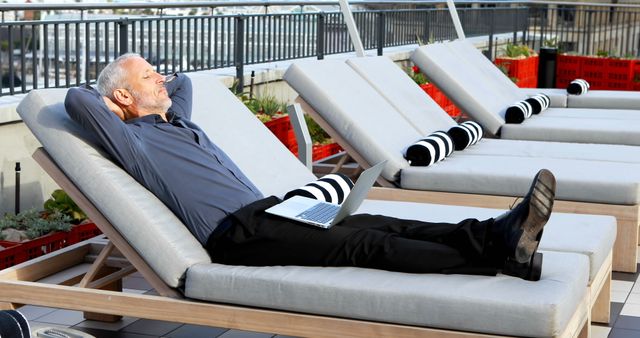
<point>144,124</point>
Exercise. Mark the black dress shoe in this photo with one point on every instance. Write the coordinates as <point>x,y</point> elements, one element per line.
<point>530,271</point>
<point>521,228</point>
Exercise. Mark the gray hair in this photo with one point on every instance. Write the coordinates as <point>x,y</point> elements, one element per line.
<point>113,75</point>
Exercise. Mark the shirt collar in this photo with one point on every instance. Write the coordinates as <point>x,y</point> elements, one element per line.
<point>152,119</point>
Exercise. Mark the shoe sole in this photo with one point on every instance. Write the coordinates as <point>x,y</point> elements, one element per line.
<point>541,196</point>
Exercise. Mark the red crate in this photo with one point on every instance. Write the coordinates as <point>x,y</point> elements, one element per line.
<point>568,66</point>
<point>280,128</point>
<point>594,70</point>
<point>45,244</point>
<point>11,254</point>
<point>618,85</point>
<point>528,82</point>
<point>82,232</point>
<point>520,69</point>
<point>620,70</point>
<point>563,82</point>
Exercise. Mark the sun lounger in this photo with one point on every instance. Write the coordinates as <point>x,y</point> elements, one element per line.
<point>341,304</point>
<point>606,99</point>
<point>559,230</point>
<point>371,129</point>
<point>486,104</point>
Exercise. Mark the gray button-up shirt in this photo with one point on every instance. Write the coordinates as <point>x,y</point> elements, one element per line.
<point>175,160</point>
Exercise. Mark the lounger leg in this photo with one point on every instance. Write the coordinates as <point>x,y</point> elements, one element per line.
<point>601,310</point>
<point>113,286</point>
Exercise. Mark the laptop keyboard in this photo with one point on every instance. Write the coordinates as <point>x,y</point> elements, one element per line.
<point>320,213</point>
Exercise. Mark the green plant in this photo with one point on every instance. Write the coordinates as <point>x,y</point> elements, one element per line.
<point>602,53</point>
<point>60,201</point>
<point>416,75</point>
<point>36,224</point>
<point>551,42</point>
<point>318,135</point>
<point>515,51</point>
<point>505,70</point>
<point>269,105</point>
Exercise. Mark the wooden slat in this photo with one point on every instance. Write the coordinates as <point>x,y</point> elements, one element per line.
<point>228,316</point>
<point>97,265</point>
<point>46,265</point>
<point>47,164</point>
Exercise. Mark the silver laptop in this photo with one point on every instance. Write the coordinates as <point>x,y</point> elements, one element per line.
<point>323,214</point>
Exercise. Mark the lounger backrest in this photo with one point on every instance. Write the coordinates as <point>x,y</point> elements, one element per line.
<point>355,110</point>
<point>465,49</point>
<point>402,93</point>
<point>143,220</point>
<point>231,126</point>
<point>469,93</point>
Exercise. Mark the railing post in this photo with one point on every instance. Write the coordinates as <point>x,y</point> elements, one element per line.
<point>491,29</point>
<point>589,16</point>
<point>320,38</point>
<point>525,29</point>
<point>123,36</point>
<point>380,31</point>
<point>239,53</point>
<point>515,25</point>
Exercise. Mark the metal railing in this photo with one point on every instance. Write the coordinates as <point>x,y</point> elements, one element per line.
<point>63,53</point>
<point>66,52</point>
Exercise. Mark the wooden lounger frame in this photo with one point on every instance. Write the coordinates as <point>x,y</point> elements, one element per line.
<point>23,284</point>
<point>623,257</point>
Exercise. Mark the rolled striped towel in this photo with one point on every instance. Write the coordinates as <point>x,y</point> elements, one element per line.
<point>578,87</point>
<point>429,150</point>
<point>539,103</point>
<point>518,112</point>
<point>14,324</point>
<point>332,188</point>
<point>465,134</point>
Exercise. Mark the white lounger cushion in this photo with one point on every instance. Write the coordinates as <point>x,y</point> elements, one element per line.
<point>419,110</point>
<point>147,224</point>
<point>487,102</point>
<point>561,289</point>
<point>586,181</point>
<point>590,235</point>
<point>606,99</point>
<point>383,126</point>
<point>501,305</point>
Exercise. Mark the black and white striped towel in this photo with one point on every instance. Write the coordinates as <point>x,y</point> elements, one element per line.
<point>518,112</point>
<point>14,324</point>
<point>465,134</point>
<point>332,188</point>
<point>578,87</point>
<point>429,150</point>
<point>539,103</point>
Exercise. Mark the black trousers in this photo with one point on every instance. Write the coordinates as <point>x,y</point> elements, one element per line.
<point>255,238</point>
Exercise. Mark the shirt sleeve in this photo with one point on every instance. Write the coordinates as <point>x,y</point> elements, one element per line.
<point>87,107</point>
<point>180,92</point>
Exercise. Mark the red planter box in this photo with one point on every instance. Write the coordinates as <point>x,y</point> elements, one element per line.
<point>441,99</point>
<point>524,70</point>
<point>82,232</point>
<point>11,254</point>
<point>16,253</point>
<point>568,68</point>
<point>280,128</point>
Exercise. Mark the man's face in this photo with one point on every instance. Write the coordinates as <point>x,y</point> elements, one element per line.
<point>147,88</point>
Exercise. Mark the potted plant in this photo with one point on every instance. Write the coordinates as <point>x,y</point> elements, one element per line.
<point>521,63</point>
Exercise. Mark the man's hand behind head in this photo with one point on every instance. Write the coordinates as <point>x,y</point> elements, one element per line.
<point>114,107</point>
